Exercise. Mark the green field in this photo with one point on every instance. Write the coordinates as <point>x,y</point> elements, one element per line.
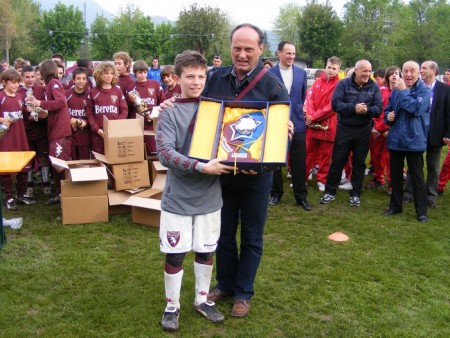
<point>391,279</point>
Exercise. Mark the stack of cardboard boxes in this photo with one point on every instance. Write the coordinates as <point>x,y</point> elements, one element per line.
<point>125,153</point>
<point>83,192</point>
<point>131,174</point>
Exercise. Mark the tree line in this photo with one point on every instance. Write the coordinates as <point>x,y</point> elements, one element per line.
<point>386,32</point>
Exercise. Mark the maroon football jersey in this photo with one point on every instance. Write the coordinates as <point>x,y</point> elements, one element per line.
<point>58,125</point>
<point>15,139</point>
<point>77,103</point>
<point>151,92</point>
<point>105,102</point>
<point>124,82</point>
<point>176,91</point>
<point>35,130</point>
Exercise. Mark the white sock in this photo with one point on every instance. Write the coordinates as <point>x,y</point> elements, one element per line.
<point>44,173</point>
<point>30,176</point>
<point>203,275</point>
<point>172,285</point>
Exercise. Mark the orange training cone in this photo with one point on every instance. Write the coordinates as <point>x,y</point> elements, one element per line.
<point>338,237</point>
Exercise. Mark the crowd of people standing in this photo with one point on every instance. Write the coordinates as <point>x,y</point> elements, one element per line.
<point>335,124</point>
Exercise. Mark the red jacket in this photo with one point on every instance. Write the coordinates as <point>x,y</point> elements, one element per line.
<point>319,107</point>
<point>379,124</point>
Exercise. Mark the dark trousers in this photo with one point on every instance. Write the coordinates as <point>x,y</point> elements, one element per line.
<point>245,201</point>
<point>415,167</point>
<point>349,139</point>
<point>433,157</point>
<point>277,184</point>
<point>298,166</point>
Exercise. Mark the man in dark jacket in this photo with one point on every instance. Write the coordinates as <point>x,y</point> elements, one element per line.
<point>439,128</point>
<point>356,100</point>
<point>407,115</point>
<point>245,195</point>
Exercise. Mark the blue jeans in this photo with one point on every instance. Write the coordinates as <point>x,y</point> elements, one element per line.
<point>245,199</point>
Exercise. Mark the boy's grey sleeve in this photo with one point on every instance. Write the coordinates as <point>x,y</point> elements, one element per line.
<point>166,147</point>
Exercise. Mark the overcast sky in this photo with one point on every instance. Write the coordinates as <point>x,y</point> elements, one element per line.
<point>260,13</point>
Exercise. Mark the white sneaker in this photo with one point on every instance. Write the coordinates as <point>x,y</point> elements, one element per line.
<point>30,192</point>
<point>346,186</point>
<point>321,186</point>
<point>13,223</point>
<point>344,180</point>
<point>289,175</point>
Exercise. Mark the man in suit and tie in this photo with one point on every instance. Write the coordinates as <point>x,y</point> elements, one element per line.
<point>439,130</point>
<point>294,79</point>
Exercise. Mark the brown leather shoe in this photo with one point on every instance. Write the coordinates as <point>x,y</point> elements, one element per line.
<point>216,295</point>
<point>240,308</point>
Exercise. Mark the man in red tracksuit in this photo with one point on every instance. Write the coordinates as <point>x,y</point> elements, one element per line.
<point>322,120</point>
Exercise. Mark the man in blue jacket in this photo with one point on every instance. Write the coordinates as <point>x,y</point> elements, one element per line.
<point>408,115</point>
<point>439,130</point>
<point>356,100</point>
<point>294,79</point>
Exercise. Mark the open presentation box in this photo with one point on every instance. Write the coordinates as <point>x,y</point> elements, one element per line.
<point>250,135</point>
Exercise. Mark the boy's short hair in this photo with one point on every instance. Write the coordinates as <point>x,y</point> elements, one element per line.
<point>380,72</point>
<point>101,68</point>
<point>167,71</point>
<point>139,66</point>
<point>319,72</point>
<point>59,57</point>
<point>20,63</point>
<point>10,75</point>
<point>189,58</point>
<point>124,56</point>
<point>85,63</point>
<point>80,70</point>
<point>334,60</point>
<point>27,69</point>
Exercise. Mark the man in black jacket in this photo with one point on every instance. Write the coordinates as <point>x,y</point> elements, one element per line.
<point>356,100</point>
<point>438,130</point>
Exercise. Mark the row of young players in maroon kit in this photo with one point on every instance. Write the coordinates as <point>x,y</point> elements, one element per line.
<point>111,95</point>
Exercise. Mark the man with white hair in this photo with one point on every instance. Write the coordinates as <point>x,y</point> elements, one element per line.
<point>408,114</point>
<point>356,100</point>
<point>439,130</point>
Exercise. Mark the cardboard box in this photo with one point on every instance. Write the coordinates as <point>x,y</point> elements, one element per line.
<point>130,175</point>
<point>80,189</point>
<point>83,192</point>
<point>124,140</point>
<point>82,170</point>
<point>154,116</point>
<point>251,135</point>
<point>155,168</point>
<point>146,207</point>
<point>115,202</point>
<point>127,175</point>
<point>86,209</point>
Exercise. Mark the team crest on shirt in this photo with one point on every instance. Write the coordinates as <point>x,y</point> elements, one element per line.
<point>20,103</point>
<point>173,237</point>
<point>151,91</point>
<point>114,99</point>
<point>84,103</point>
